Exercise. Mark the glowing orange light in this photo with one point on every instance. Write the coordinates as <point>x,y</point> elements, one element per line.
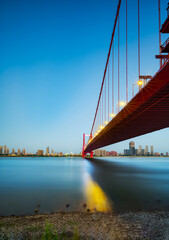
<point>106,122</point>
<point>101,127</point>
<point>140,82</point>
<point>112,115</point>
<point>122,104</point>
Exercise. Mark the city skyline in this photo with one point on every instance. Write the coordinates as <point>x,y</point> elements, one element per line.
<point>45,77</point>
<point>145,150</point>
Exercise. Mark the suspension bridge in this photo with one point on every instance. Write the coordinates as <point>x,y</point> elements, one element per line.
<point>147,110</point>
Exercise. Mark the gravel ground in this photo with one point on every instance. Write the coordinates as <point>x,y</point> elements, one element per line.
<point>91,226</point>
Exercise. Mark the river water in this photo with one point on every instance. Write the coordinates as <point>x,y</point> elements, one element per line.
<point>118,184</point>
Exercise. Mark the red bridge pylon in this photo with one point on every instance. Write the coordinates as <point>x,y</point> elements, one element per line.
<point>83,149</point>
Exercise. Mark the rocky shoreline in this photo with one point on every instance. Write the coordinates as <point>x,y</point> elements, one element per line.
<point>100,226</point>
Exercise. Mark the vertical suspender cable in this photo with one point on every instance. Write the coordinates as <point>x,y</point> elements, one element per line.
<point>126,59</point>
<point>108,93</point>
<point>108,56</point>
<point>102,108</point>
<point>138,39</point>
<point>105,102</point>
<point>113,79</point>
<point>159,18</point>
<point>118,64</point>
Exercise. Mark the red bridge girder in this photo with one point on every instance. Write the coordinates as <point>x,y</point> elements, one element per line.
<point>148,111</point>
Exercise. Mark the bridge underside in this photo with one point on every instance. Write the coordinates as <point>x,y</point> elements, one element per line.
<point>148,111</point>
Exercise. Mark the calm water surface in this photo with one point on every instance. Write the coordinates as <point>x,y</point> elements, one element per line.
<point>104,184</point>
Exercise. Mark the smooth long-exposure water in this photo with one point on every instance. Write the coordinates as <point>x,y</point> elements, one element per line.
<point>75,184</point>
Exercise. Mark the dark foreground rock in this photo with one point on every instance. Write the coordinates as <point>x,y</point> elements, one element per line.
<point>98,226</point>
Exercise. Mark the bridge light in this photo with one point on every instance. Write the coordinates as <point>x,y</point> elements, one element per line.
<point>122,104</point>
<point>106,122</point>
<point>112,115</point>
<point>98,130</point>
<point>140,83</point>
<point>102,127</point>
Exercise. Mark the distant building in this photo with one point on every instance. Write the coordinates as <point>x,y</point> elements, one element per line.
<point>13,150</point>
<point>146,150</point>
<point>143,152</point>
<point>52,152</point>
<point>136,152</point>
<point>5,149</point>
<point>19,151</point>
<point>47,151</point>
<point>40,152</point>
<point>152,150</point>
<point>132,148</point>
<point>100,153</point>
<point>60,154</point>
<point>1,149</point>
<point>24,152</point>
<point>111,153</point>
<point>126,152</point>
<point>139,150</point>
<point>166,153</point>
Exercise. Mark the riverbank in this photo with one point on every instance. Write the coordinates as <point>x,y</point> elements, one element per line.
<point>96,226</point>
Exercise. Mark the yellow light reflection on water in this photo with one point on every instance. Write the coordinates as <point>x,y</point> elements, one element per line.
<point>96,199</point>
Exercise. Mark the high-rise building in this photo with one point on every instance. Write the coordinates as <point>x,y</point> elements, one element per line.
<point>24,152</point>
<point>132,148</point>
<point>13,150</point>
<point>1,149</point>
<point>136,152</point>
<point>52,152</point>
<point>152,150</point>
<point>126,152</point>
<point>146,150</point>
<point>5,149</point>
<point>47,151</point>
<point>19,151</point>
<point>139,150</point>
<point>143,152</point>
<point>40,152</point>
<point>100,153</point>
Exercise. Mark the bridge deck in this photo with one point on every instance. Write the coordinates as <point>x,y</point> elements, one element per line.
<point>148,111</point>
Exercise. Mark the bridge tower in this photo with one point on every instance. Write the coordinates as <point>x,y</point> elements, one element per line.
<point>83,149</point>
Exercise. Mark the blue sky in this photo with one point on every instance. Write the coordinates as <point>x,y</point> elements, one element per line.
<point>52,58</point>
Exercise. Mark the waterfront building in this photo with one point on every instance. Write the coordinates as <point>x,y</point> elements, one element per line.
<point>139,150</point>
<point>100,153</point>
<point>166,153</point>
<point>19,151</point>
<point>152,150</point>
<point>136,152</point>
<point>132,148</point>
<point>40,152</point>
<point>60,154</point>
<point>52,153</point>
<point>97,152</point>
<point>13,150</point>
<point>47,151</point>
<point>1,149</point>
<point>146,150</point>
<point>5,149</point>
<point>24,152</point>
<point>111,153</point>
<point>126,152</point>
<point>143,152</point>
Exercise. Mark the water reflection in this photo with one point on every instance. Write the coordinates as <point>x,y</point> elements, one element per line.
<point>133,184</point>
<point>96,199</point>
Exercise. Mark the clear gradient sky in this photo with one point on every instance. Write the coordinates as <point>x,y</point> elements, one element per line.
<point>52,58</point>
